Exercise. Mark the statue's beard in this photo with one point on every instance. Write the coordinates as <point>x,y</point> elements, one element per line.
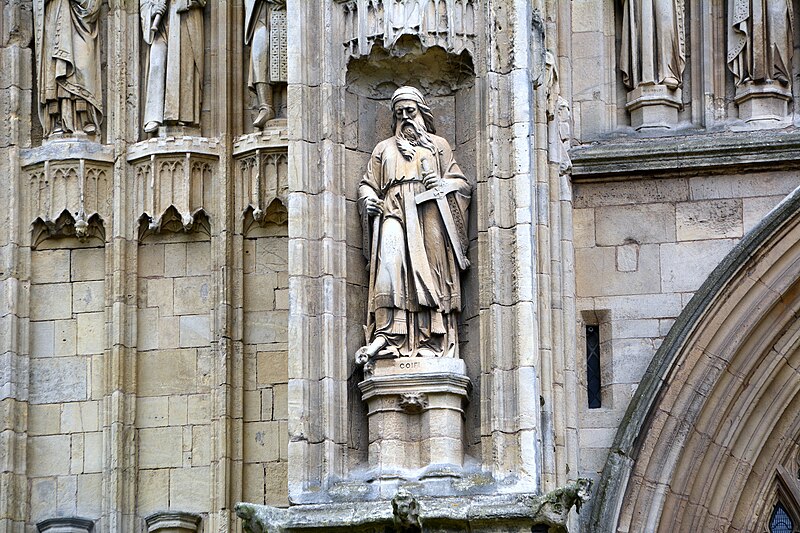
<point>411,134</point>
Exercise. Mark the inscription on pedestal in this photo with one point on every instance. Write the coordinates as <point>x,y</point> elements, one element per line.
<point>418,365</point>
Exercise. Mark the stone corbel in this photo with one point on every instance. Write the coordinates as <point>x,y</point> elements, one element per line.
<point>262,181</point>
<point>70,185</point>
<point>174,181</point>
<point>449,24</point>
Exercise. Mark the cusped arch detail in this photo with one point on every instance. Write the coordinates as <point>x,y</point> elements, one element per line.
<point>715,414</point>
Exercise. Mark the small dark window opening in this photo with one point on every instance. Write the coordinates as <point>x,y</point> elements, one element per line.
<point>780,521</point>
<point>593,382</point>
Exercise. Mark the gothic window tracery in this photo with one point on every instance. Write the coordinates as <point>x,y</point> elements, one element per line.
<point>781,522</point>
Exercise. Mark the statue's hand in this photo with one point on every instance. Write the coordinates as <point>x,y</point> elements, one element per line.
<point>431,180</point>
<point>160,7</point>
<point>374,206</point>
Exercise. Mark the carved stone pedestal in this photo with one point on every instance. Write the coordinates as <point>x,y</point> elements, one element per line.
<point>262,173</point>
<point>70,184</point>
<point>416,416</point>
<point>174,180</point>
<point>763,104</point>
<point>654,107</point>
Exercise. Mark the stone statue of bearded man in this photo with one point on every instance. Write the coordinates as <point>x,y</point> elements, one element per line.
<point>413,201</point>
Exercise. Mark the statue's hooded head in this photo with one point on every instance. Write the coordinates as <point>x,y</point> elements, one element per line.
<point>407,94</point>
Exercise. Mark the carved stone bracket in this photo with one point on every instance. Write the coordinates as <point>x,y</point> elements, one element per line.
<point>172,522</point>
<point>174,180</point>
<point>262,181</point>
<point>70,189</point>
<point>449,24</point>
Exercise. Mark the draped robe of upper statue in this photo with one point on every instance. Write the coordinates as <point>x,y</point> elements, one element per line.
<point>68,65</point>
<point>257,35</point>
<point>415,291</point>
<point>760,42</point>
<point>652,51</point>
<point>173,93</point>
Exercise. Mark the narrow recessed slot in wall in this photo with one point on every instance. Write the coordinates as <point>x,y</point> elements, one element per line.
<point>594,342</point>
<point>594,381</point>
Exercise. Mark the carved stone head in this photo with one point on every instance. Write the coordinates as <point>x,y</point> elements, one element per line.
<point>406,511</point>
<point>409,106</point>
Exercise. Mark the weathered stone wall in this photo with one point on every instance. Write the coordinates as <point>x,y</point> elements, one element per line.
<point>67,339</point>
<point>643,246</point>
<point>173,389</point>
<point>266,304</point>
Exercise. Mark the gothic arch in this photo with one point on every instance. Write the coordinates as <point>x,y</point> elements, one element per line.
<point>716,414</point>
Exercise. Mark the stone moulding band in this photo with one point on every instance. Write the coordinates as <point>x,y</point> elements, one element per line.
<point>474,513</point>
<point>613,160</point>
<point>429,383</point>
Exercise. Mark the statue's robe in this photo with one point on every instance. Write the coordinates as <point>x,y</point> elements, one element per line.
<point>175,62</point>
<point>68,61</point>
<point>760,42</point>
<point>256,35</point>
<point>415,297</point>
<point>653,47</point>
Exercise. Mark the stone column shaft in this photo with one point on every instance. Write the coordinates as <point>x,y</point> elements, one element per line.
<point>15,133</point>
<point>507,249</point>
<point>318,361</point>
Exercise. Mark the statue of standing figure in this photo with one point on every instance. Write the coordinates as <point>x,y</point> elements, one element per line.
<point>265,32</point>
<point>68,66</point>
<point>653,43</point>
<point>413,200</point>
<point>760,40</point>
<point>174,30</point>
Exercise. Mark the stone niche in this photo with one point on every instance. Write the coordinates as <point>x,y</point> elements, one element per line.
<point>70,183</point>
<point>421,423</point>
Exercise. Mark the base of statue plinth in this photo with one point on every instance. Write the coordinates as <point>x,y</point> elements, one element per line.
<point>176,130</point>
<point>416,417</point>
<point>763,103</point>
<point>654,107</point>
